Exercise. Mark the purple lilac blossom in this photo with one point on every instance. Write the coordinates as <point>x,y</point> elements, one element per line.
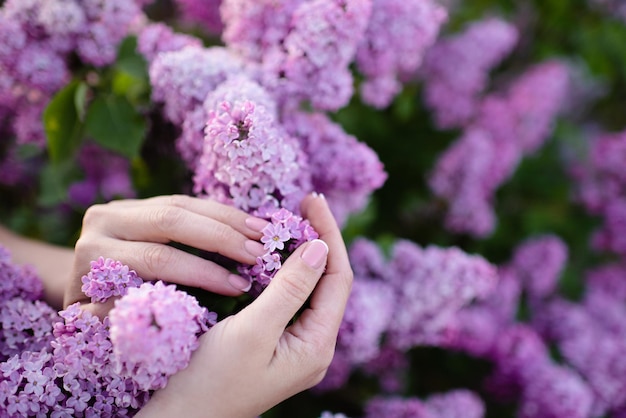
<point>327,414</point>
<point>555,392</point>
<point>610,237</point>
<point>452,94</point>
<point>285,232</point>
<point>248,160</point>
<point>432,284</point>
<point>182,79</point>
<point>367,316</point>
<point>204,12</point>
<point>108,278</point>
<point>67,364</point>
<point>508,126</point>
<point>593,351</point>
<point>396,407</point>
<point>17,281</point>
<point>25,325</point>
<point>302,49</point>
<point>154,331</point>
<point>459,403</point>
<point>397,36</point>
<point>156,38</point>
<point>107,176</point>
<point>345,170</point>
<point>538,264</point>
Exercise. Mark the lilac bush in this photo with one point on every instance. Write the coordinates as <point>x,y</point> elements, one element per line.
<point>477,175</point>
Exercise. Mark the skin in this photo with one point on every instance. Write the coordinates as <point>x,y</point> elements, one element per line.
<point>253,360</point>
<point>137,233</point>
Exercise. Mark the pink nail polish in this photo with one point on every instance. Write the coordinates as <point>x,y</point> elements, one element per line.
<point>256,224</point>
<point>255,248</point>
<point>239,283</point>
<point>315,253</point>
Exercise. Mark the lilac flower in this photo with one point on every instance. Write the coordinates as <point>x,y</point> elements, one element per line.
<point>25,326</point>
<point>398,34</point>
<point>395,407</point>
<point>108,278</point>
<point>556,392</point>
<point>538,264</point>
<point>453,94</point>
<point>182,79</point>
<point>156,38</point>
<point>154,330</point>
<point>248,160</point>
<point>456,404</point>
<point>431,285</point>
<point>204,12</point>
<point>17,281</point>
<point>285,232</point>
<point>345,170</point>
<point>507,127</point>
<point>327,414</point>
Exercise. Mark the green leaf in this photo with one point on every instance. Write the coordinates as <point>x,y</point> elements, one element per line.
<point>113,123</point>
<point>80,101</point>
<point>62,124</point>
<point>55,179</point>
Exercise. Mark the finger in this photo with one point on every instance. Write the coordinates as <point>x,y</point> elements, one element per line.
<point>287,291</point>
<point>315,208</point>
<point>241,221</point>
<point>158,261</point>
<point>329,299</point>
<point>157,223</point>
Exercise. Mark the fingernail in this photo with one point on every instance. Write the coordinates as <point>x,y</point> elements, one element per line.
<point>239,282</point>
<point>255,248</point>
<point>256,224</point>
<point>315,253</point>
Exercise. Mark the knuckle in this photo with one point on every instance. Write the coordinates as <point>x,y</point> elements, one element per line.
<point>294,288</point>
<point>177,201</point>
<point>93,214</point>
<point>166,218</point>
<point>155,257</point>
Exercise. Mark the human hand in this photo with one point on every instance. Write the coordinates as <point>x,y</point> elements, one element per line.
<point>136,233</point>
<point>251,361</point>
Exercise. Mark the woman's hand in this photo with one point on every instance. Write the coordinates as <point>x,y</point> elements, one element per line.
<point>251,361</point>
<point>137,233</point>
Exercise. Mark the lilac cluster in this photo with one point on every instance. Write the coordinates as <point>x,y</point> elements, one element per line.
<point>108,278</point>
<point>154,331</point>
<point>155,38</point>
<point>74,364</point>
<point>614,8</point>
<point>508,126</point>
<point>601,188</point>
<point>107,176</point>
<point>285,232</point>
<point>454,404</point>
<point>411,300</point>
<point>453,95</point>
<point>203,12</point>
<point>248,159</point>
<point>302,48</point>
<point>398,34</point>
<point>355,171</point>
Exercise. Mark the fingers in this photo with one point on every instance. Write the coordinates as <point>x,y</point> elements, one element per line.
<point>286,293</point>
<point>161,223</point>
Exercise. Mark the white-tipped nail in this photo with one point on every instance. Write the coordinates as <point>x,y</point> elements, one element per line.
<point>239,283</point>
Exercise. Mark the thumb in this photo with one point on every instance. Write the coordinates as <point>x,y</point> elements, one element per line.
<point>289,289</point>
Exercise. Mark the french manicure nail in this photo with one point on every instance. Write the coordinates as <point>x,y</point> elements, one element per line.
<point>239,283</point>
<point>256,224</point>
<point>315,253</point>
<point>255,248</point>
